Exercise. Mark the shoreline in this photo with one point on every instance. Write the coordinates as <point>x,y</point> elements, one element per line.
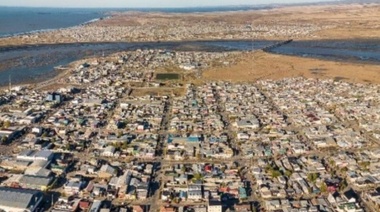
<point>45,82</point>
<point>32,45</point>
<point>61,73</point>
<point>111,13</point>
<point>41,31</point>
<point>45,79</point>
<point>114,47</point>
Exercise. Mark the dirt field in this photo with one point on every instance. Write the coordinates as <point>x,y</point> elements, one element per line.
<point>261,65</point>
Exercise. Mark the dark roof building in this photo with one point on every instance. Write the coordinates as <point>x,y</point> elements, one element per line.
<point>19,200</point>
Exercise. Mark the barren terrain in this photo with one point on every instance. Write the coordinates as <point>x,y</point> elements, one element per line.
<point>260,65</point>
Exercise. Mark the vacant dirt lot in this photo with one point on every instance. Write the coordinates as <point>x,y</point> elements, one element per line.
<point>261,65</point>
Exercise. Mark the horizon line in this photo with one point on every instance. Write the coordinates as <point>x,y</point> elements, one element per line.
<point>185,7</point>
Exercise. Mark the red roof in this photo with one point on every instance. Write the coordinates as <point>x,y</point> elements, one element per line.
<point>84,205</point>
<point>208,168</point>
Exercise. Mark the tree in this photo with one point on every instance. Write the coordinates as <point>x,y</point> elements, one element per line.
<point>176,200</point>
<point>183,169</point>
<point>67,147</point>
<point>323,187</point>
<point>343,184</point>
<point>310,189</point>
<point>288,173</point>
<point>268,168</point>
<point>7,124</point>
<point>125,145</point>
<point>119,134</point>
<point>87,109</point>
<point>223,169</point>
<point>312,177</point>
<point>275,173</point>
<point>199,156</point>
<point>4,139</point>
<point>364,165</point>
<point>344,170</point>
<point>332,163</point>
<point>197,176</point>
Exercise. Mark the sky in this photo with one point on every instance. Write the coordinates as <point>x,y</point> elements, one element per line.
<point>139,3</point>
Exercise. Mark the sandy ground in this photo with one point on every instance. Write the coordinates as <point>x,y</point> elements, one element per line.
<point>260,65</point>
<point>347,21</point>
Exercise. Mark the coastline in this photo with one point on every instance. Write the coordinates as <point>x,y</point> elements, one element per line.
<point>334,63</point>
<point>40,31</point>
<point>45,81</point>
<point>111,13</point>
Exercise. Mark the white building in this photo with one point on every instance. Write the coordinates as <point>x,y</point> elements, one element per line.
<point>108,151</point>
<point>32,155</point>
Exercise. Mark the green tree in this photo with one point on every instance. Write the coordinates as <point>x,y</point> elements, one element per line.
<point>344,170</point>
<point>67,147</point>
<point>343,185</point>
<point>332,163</point>
<point>312,177</point>
<point>4,139</point>
<point>119,134</point>
<point>323,188</point>
<point>288,173</point>
<point>197,176</point>
<point>7,124</point>
<point>275,173</point>
<point>199,156</point>
<point>125,145</point>
<point>364,165</point>
<point>269,168</point>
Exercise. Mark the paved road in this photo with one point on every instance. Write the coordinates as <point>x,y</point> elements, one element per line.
<point>155,199</point>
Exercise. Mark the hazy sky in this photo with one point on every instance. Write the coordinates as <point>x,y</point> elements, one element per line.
<point>138,3</point>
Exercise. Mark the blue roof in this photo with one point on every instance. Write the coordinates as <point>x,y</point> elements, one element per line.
<point>170,139</point>
<point>242,192</point>
<point>214,139</point>
<point>192,139</point>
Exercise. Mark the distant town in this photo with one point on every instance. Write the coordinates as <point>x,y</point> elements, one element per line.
<point>140,131</point>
